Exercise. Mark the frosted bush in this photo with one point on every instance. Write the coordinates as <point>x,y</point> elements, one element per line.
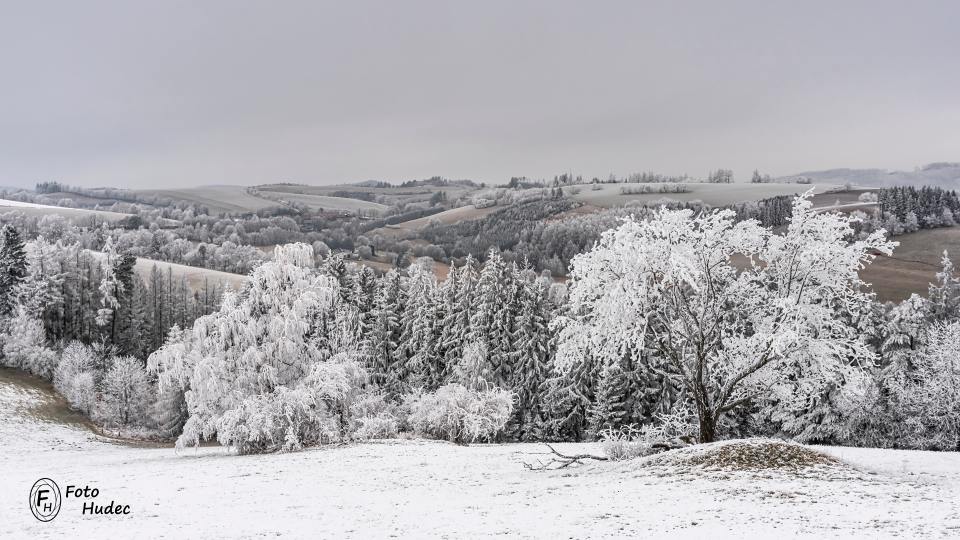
<point>371,404</point>
<point>620,449</point>
<point>459,414</point>
<point>73,377</point>
<point>628,442</point>
<point>375,417</point>
<point>285,420</point>
<point>381,426</point>
<point>316,412</point>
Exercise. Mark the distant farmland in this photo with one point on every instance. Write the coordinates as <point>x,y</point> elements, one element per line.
<point>218,199</point>
<point>195,276</point>
<point>32,209</point>
<point>914,264</point>
<point>610,195</point>
<point>384,195</point>
<point>325,202</point>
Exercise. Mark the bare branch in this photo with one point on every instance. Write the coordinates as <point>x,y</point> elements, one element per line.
<point>561,461</point>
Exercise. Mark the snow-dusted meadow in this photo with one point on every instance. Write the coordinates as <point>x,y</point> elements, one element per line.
<point>427,489</point>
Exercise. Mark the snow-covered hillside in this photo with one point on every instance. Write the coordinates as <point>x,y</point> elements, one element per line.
<point>945,175</point>
<point>422,489</point>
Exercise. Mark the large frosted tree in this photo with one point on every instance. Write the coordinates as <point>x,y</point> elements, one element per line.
<point>722,304</point>
<point>260,372</point>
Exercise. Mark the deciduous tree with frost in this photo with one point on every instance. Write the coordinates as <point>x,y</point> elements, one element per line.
<point>25,345</point>
<point>262,375</point>
<point>721,303</point>
<point>74,376</point>
<point>126,392</point>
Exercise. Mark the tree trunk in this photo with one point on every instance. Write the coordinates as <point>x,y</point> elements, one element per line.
<point>708,426</point>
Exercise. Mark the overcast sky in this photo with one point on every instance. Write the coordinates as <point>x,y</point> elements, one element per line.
<point>170,93</point>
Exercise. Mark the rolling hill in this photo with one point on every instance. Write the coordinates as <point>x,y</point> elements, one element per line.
<point>218,199</point>
<point>945,175</point>
<point>610,195</point>
<point>195,276</point>
<point>325,202</point>
<point>32,209</point>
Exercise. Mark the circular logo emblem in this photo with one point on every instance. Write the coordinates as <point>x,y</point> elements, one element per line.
<point>45,499</point>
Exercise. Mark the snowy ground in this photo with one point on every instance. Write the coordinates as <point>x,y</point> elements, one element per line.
<point>416,489</point>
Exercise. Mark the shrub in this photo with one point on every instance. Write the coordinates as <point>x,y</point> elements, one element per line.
<point>285,420</point>
<point>671,430</point>
<point>458,414</point>
<point>381,426</point>
<point>317,411</point>
<point>623,444</point>
<point>375,417</point>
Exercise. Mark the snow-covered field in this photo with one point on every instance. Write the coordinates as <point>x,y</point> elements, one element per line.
<point>418,489</point>
<point>34,209</point>
<point>324,202</point>
<point>196,276</point>
<point>607,195</point>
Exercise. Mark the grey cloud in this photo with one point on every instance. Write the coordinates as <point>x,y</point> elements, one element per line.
<point>180,93</point>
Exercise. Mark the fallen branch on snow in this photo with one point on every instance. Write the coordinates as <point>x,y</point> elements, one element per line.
<point>560,461</point>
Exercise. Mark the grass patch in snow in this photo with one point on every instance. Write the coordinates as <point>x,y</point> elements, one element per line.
<point>744,455</point>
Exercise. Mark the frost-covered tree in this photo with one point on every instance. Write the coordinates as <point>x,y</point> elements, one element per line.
<point>25,345</point>
<point>569,395</point>
<point>13,268</point>
<point>491,320</point>
<point>74,376</point>
<point>110,286</point>
<point>944,295</point>
<point>473,369</point>
<point>415,354</point>
<point>457,297</point>
<point>670,284</point>
<point>611,408</point>
<point>532,351</point>
<point>126,392</point>
<point>41,291</point>
<point>383,338</point>
<point>929,395</point>
<point>261,365</point>
<point>116,289</point>
<point>905,330</point>
<point>172,365</point>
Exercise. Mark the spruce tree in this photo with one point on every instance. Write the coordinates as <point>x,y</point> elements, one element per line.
<point>490,320</point>
<point>611,408</point>
<point>455,329</point>
<point>569,396</point>
<point>944,296</point>
<point>414,355</point>
<point>531,356</point>
<point>382,339</point>
<point>13,268</point>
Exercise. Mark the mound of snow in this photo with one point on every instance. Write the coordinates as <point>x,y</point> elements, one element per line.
<point>743,455</point>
